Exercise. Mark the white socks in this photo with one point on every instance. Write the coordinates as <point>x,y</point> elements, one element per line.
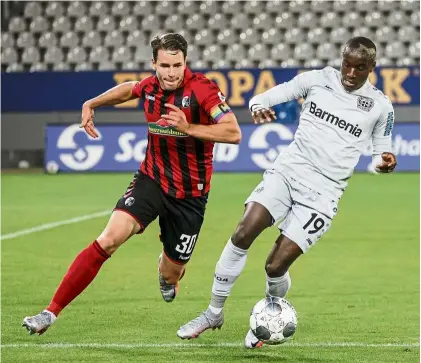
<point>278,286</point>
<point>228,268</point>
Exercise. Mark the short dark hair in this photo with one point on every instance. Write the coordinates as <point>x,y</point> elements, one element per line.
<point>168,41</point>
<point>364,45</point>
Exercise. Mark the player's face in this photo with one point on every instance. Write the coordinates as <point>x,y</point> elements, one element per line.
<point>355,69</point>
<point>169,67</point>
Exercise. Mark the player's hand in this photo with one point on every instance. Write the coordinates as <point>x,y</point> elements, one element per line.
<point>87,121</point>
<point>388,163</point>
<point>176,118</point>
<point>263,115</point>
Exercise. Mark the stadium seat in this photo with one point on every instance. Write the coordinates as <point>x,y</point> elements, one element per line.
<point>69,40</point>
<point>213,53</point>
<point>254,7</point>
<point>165,8</point>
<point>263,22</point>
<point>218,22</point>
<point>17,25</point>
<point>143,8</point>
<point>61,66</point>
<point>249,37</point>
<point>339,36</point>
<point>285,21</point>
<point>374,19</point>
<point>330,20</point>
<point>193,53</point>
<point>294,36</point>
<point>151,23</point>
<point>30,55</point>
<point>290,63</point>
<point>99,54</point>
<point>258,52</point>
<point>120,8</point>
<point>84,24</point>
<point>136,39</point>
<point>352,19</point>
<point>195,22</point>
<point>236,52</point>
<point>271,36</point>
<point>121,54</point>
<point>363,32</point>
<point>327,51</point>
<point>317,36</point>
<point>76,55</point>
<point>173,23</point>
<point>396,49</point>
<point>397,19</point>
<point>142,54</point>
<point>276,7</point>
<point>336,63</point>
<point>199,64</point>
<point>39,25</point>
<point>232,7</point>
<point>267,63</point>
<point>314,63</point>
<point>92,39</point>
<point>385,34</point>
<point>344,6</point>
<point>114,39</point>
<point>128,24</point>
<point>321,6</point>
<point>280,52</point>
<point>186,35</point>
<point>366,6</point>
<point>38,67</point>
<point>32,9</point>
<point>77,9</point>
<point>304,52</point>
<point>188,8</point>
<point>227,37</point>
<point>9,56</point>
<point>204,37</point>
<point>243,64</point>
<point>386,6</point>
<point>54,9</point>
<point>106,24</point>
<point>131,66</point>
<point>7,40</point>
<point>61,25</point>
<point>299,6</point>
<point>106,65</point>
<point>412,6</point>
<point>404,62</point>
<point>415,19</point>
<point>98,9</point>
<point>25,40</point>
<point>240,21</point>
<point>307,20</point>
<point>383,61</point>
<point>14,67</point>
<point>209,7</point>
<point>53,55</point>
<point>414,50</point>
<point>83,67</point>
<point>222,63</point>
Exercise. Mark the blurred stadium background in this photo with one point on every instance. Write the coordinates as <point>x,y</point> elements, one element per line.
<point>55,55</point>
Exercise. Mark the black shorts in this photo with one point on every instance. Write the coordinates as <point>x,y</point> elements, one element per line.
<point>180,220</point>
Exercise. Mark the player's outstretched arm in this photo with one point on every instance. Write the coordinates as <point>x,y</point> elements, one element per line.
<point>118,94</point>
<point>225,131</point>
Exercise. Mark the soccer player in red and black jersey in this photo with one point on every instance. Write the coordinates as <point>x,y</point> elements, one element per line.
<point>186,114</point>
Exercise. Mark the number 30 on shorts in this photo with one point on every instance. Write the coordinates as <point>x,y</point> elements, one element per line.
<point>187,244</point>
<point>314,224</point>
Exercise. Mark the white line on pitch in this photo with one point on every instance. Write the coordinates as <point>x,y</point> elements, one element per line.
<point>43,227</point>
<point>211,345</point>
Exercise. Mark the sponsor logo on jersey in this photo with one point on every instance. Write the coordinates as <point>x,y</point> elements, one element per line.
<point>329,88</point>
<point>365,103</point>
<point>334,120</point>
<point>162,127</point>
<point>150,97</point>
<point>221,96</point>
<point>185,102</point>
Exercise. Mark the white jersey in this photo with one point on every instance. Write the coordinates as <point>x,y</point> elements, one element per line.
<point>334,128</point>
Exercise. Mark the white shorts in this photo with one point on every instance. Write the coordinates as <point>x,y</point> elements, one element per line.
<point>302,214</point>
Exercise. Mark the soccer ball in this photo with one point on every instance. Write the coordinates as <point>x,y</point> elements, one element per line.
<point>273,320</point>
<point>51,167</point>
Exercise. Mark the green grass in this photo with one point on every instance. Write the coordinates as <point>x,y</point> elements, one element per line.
<point>360,283</point>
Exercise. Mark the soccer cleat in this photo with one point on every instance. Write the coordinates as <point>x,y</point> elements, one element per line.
<point>38,324</point>
<point>168,292</point>
<point>251,341</point>
<point>206,320</point>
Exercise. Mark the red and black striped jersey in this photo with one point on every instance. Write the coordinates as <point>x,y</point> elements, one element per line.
<point>180,164</point>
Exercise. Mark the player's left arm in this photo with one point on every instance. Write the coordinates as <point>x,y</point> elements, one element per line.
<point>383,158</point>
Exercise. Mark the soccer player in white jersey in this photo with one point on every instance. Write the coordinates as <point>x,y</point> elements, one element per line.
<point>341,113</point>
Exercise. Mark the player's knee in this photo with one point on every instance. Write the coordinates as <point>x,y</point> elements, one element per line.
<point>241,237</point>
<point>110,242</point>
<point>276,268</point>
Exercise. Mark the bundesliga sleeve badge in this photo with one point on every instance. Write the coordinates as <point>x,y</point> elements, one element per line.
<point>365,103</point>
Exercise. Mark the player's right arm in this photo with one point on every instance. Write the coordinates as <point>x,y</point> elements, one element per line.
<point>261,105</point>
<point>119,94</point>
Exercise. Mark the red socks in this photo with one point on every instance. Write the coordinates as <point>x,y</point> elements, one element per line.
<point>79,275</point>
